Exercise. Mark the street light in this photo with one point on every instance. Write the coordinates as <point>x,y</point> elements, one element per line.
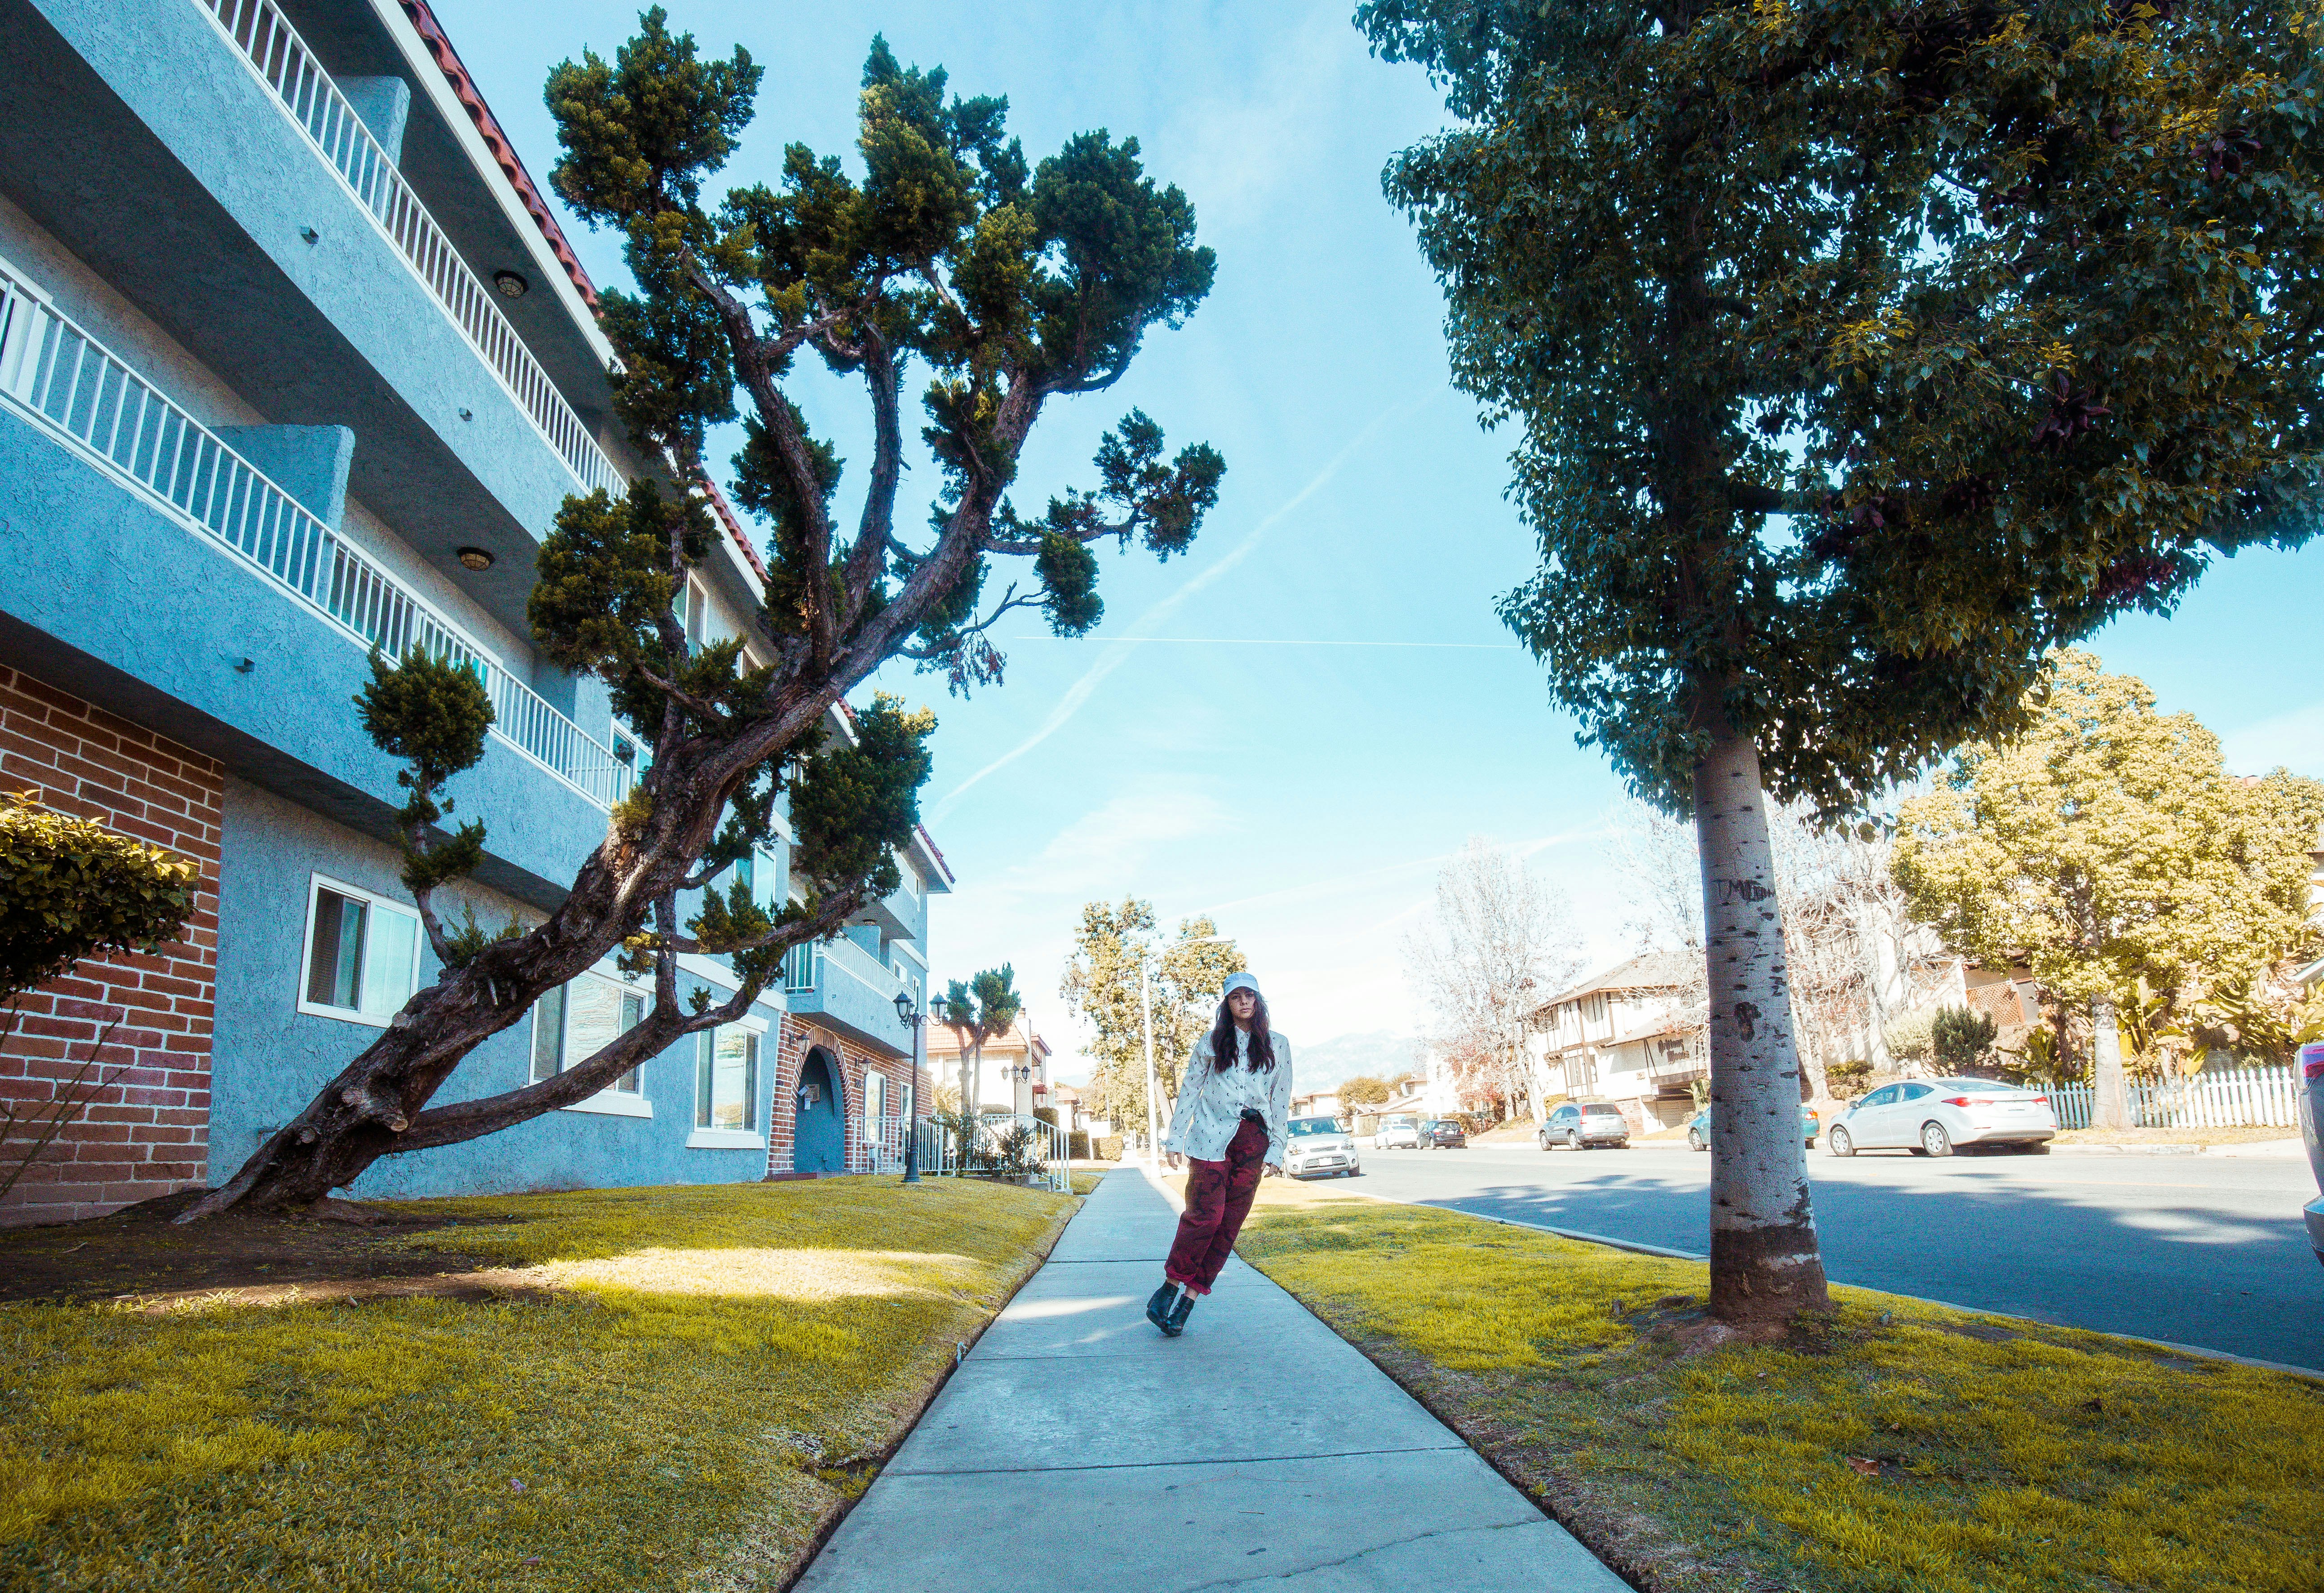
<point>1146,1016</point>
<point>911,1018</point>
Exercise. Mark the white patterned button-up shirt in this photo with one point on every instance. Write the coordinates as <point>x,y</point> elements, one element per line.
<point>1208,1113</point>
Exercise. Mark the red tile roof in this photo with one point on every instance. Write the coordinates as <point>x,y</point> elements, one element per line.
<point>503,151</point>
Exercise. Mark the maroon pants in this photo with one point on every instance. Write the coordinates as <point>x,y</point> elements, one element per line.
<point>1218,1198</point>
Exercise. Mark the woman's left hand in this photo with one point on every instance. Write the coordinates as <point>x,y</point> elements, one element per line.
<point>1272,1170</point>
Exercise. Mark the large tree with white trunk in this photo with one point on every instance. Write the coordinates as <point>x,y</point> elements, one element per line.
<point>1863,354</point>
<point>1012,285</point>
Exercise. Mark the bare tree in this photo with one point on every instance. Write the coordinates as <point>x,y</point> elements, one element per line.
<point>1502,942</point>
<point>1847,936</point>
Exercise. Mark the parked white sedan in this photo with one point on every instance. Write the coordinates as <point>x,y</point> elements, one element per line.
<point>1931,1117</point>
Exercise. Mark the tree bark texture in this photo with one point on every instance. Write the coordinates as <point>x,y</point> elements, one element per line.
<point>2109,1091</point>
<point>1764,1265</point>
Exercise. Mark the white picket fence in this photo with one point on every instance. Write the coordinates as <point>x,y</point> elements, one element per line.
<point>2232,1097</point>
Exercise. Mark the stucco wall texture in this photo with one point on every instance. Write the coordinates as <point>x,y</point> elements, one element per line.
<point>144,1130</point>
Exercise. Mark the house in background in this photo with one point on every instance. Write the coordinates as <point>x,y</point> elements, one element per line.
<point>295,362</point>
<point>1318,1103</point>
<point>1623,1038</point>
<point>1015,1073</point>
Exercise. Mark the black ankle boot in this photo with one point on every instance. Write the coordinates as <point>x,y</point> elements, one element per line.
<point>1158,1308</point>
<point>1180,1313</point>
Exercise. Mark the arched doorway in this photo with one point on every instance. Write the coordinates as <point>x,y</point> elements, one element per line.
<point>819,1136</point>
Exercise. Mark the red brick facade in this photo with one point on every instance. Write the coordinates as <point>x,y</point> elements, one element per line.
<point>146,1132</point>
<point>799,1036</point>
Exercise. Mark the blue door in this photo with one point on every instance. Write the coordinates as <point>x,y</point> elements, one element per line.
<point>819,1141</point>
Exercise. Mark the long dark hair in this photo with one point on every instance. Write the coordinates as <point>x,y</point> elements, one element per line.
<point>1222,1036</point>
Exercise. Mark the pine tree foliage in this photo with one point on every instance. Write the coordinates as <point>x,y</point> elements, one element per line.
<point>1010,285</point>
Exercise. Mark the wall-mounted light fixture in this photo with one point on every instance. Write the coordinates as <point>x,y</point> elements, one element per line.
<point>509,283</point>
<point>475,558</point>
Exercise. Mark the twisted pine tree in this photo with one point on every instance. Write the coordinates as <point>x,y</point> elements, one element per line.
<point>1013,285</point>
<point>1864,352</point>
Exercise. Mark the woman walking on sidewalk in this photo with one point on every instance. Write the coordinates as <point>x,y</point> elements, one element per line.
<point>1230,1119</point>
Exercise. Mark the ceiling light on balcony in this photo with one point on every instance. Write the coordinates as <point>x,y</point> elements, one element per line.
<point>511,285</point>
<point>475,558</point>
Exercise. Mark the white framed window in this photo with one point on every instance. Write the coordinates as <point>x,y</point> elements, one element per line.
<point>573,1022</point>
<point>726,1088</point>
<point>762,874</point>
<point>363,954</point>
<point>875,1095</point>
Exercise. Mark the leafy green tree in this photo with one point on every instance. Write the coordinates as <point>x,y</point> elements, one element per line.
<point>1863,353</point>
<point>1012,285</point>
<point>977,1012</point>
<point>2108,848</point>
<point>1101,986</point>
<point>1363,1092</point>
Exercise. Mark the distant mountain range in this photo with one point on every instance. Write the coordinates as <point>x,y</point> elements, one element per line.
<point>1326,1062</point>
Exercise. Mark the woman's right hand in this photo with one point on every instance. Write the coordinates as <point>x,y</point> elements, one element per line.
<point>1176,1161</point>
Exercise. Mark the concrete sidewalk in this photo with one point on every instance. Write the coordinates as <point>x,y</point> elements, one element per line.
<point>1078,1449</point>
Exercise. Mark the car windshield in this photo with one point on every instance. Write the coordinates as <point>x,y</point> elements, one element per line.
<point>1314,1126</point>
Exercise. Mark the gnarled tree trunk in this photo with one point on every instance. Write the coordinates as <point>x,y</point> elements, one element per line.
<point>2109,1091</point>
<point>1764,1264</point>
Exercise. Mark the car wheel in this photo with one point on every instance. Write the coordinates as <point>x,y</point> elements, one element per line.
<point>1574,1140</point>
<point>1695,1141</point>
<point>1841,1144</point>
<point>1934,1140</point>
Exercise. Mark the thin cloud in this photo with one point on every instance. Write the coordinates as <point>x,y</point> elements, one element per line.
<point>1118,653</point>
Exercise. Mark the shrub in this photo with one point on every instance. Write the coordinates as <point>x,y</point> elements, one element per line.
<point>1109,1149</point>
<point>1849,1079</point>
<point>70,888</point>
<point>1078,1145</point>
<point>1959,1037</point>
<point>1046,1114</point>
<point>1912,1037</point>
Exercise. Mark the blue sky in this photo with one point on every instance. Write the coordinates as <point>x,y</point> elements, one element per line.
<point>1327,707</point>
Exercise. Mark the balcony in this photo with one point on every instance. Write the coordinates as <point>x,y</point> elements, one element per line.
<point>844,986</point>
<point>273,50</point>
<point>80,394</point>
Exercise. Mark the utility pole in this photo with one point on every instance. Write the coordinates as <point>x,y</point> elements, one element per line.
<point>1153,1085</point>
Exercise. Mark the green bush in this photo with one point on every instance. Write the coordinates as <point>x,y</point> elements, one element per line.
<point>1960,1039</point>
<point>1109,1149</point>
<point>69,888</point>
<point>1078,1145</point>
<point>1912,1037</point>
<point>1047,1114</point>
<point>1847,1079</point>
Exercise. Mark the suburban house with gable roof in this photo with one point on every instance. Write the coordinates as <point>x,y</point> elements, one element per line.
<point>1623,1036</point>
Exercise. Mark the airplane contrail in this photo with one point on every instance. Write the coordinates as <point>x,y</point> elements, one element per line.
<point>1118,653</point>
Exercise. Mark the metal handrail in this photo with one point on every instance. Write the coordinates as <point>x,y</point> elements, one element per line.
<point>70,384</point>
<point>272,50</point>
<point>941,1144</point>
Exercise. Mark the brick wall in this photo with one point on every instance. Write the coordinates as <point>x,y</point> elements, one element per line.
<point>798,1038</point>
<point>145,1131</point>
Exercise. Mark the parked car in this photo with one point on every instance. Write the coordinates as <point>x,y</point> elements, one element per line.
<point>1442,1134</point>
<point>2311,1124</point>
<point>1697,1128</point>
<point>1932,1117</point>
<point>1398,1132</point>
<point>1318,1148</point>
<point>1579,1124</point>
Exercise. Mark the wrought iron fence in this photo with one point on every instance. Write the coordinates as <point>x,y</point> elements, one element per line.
<point>997,1144</point>
<point>274,52</point>
<point>75,388</point>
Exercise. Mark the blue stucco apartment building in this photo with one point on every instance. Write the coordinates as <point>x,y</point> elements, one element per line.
<point>293,360</point>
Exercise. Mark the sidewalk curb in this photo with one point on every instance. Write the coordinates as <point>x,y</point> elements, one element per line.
<point>2313,1374</point>
<point>2285,1149</point>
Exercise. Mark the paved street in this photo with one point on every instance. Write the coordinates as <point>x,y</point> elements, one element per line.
<point>2194,1250</point>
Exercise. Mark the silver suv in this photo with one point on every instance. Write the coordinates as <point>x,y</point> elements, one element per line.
<point>1579,1124</point>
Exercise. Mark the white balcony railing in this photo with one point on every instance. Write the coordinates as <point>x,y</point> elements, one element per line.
<point>273,50</point>
<point>68,383</point>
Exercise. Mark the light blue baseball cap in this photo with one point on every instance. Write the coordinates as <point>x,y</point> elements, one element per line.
<point>1240,981</point>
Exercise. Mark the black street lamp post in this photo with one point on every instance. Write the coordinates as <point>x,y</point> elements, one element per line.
<point>912,1017</point>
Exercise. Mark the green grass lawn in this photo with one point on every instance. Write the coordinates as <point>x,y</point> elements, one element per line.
<point>616,1390</point>
<point>1906,1447</point>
